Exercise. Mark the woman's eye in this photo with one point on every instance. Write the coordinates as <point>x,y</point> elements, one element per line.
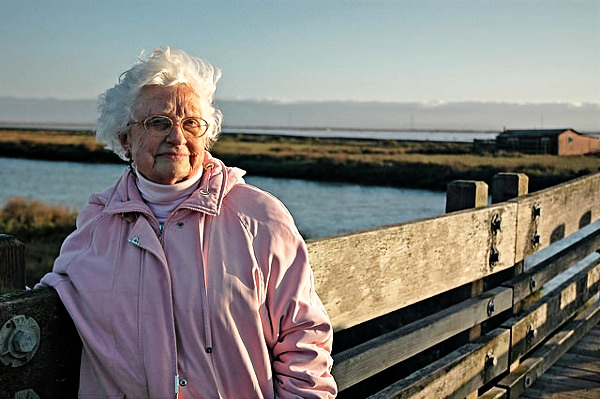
<point>158,123</point>
<point>191,123</point>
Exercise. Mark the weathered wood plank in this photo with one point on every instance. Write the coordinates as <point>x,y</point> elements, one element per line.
<point>458,374</point>
<point>523,376</point>
<point>540,319</point>
<point>582,362</point>
<point>573,373</point>
<point>561,368</point>
<point>589,345</point>
<point>546,264</point>
<point>494,393</point>
<point>53,372</point>
<point>362,361</point>
<point>548,215</point>
<point>388,268</point>
<point>12,264</point>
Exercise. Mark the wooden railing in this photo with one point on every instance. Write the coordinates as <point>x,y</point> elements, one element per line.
<point>475,303</point>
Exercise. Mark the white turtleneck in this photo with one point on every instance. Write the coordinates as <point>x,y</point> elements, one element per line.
<point>164,198</point>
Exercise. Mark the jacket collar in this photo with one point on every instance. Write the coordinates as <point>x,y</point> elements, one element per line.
<point>217,180</point>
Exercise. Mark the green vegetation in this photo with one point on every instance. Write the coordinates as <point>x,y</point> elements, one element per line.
<point>42,228</point>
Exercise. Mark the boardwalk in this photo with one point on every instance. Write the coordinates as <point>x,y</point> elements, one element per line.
<point>575,375</point>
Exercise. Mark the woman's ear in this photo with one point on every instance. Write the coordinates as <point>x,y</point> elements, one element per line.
<point>124,139</point>
<point>125,144</point>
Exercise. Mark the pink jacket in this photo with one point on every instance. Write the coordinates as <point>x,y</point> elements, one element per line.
<point>219,302</point>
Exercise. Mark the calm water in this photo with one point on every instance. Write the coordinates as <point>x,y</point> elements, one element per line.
<point>320,209</point>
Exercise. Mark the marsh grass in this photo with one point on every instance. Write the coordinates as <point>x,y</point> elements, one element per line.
<point>42,228</point>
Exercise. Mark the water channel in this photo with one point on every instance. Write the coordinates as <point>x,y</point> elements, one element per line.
<point>319,209</point>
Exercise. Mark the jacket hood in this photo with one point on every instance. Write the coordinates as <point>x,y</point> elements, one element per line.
<point>216,182</point>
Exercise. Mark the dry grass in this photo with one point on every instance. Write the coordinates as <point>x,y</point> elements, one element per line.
<point>85,138</point>
<point>42,228</point>
<point>455,155</point>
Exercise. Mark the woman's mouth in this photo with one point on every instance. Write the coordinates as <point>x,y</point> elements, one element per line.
<point>174,156</point>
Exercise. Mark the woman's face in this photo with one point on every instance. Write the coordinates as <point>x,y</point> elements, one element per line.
<point>178,155</point>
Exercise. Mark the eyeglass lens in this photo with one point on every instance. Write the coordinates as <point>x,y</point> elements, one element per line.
<point>163,125</point>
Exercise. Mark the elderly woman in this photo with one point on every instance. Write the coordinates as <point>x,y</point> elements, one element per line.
<point>182,279</point>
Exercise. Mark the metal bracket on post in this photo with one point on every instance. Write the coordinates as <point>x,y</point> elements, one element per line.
<point>495,228</point>
<point>19,340</point>
<point>536,212</point>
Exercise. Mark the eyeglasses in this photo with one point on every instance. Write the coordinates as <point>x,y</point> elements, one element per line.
<point>160,125</point>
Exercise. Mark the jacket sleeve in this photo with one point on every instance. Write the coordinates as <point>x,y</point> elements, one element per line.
<point>302,331</point>
<point>72,247</point>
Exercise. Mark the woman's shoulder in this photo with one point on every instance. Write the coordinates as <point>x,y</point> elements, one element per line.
<point>253,202</point>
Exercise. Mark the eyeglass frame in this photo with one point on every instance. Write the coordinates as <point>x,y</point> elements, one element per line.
<point>173,124</point>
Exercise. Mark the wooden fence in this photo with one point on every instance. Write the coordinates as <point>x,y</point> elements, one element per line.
<point>475,303</point>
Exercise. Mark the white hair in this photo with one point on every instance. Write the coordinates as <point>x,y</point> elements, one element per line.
<point>164,67</point>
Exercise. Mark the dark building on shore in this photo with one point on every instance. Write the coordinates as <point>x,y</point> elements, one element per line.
<point>547,141</point>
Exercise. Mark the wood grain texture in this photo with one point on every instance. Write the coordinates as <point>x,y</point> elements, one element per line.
<point>494,393</point>
<point>563,210</point>
<point>455,375</point>
<point>530,370</point>
<point>550,312</point>
<point>551,261</point>
<point>367,274</point>
<point>363,361</point>
<point>575,374</point>
<point>12,264</point>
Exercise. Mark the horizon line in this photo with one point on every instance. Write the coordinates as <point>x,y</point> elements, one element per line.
<point>280,101</point>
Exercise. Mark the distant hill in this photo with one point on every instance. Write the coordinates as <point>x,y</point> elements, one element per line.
<point>342,114</point>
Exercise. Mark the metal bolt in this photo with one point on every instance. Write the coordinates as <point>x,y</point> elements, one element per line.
<point>494,257</point>
<point>490,360</point>
<point>536,211</point>
<point>491,308</point>
<point>531,334</point>
<point>528,381</point>
<point>532,283</point>
<point>535,240</point>
<point>496,224</point>
<point>24,341</point>
<point>19,340</point>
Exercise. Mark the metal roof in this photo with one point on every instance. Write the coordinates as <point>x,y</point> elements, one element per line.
<point>534,132</point>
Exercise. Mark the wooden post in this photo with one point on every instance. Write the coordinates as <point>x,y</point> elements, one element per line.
<point>12,264</point>
<point>506,186</point>
<point>466,194</point>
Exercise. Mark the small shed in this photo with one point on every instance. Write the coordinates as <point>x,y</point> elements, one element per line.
<point>547,141</point>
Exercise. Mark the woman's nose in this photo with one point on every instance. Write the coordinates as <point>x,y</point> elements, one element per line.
<point>176,135</point>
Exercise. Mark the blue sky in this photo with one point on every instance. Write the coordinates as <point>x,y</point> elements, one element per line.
<point>529,51</point>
